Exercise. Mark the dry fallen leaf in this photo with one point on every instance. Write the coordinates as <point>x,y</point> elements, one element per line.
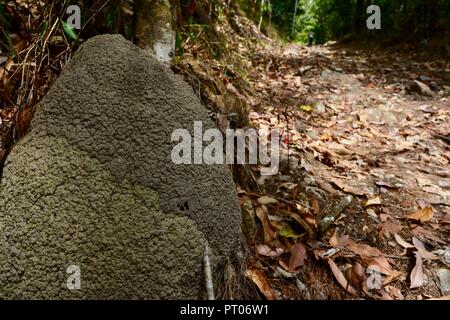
<point>417,243</point>
<point>258,278</point>
<point>416,276</point>
<point>266,251</point>
<point>334,239</point>
<point>283,264</point>
<point>402,242</point>
<point>420,231</point>
<point>395,292</point>
<point>422,203</point>
<point>357,274</point>
<point>297,259</point>
<point>384,217</point>
<point>363,249</point>
<point>371,256</point>
<point>344,241</point>
<point>422,215</point>
<point>310,219</point>
<point>383,295</point>
<point>379,262</point>
<point>315,205</point>
<point>348,188</point>
<point>393,277</point>
<point>373,201</point>
<point>424,253</point>
<point>388,228</point>
<point>341,278</point>
<point>5,71</point>
<point>445,219</point>
<point>269,234</point>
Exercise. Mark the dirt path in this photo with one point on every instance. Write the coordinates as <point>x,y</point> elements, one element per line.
<point>355,123</point>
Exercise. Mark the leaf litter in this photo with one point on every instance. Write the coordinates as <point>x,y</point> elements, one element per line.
<point>368,140</point>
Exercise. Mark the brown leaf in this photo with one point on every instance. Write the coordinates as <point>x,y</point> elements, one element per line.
<point>334,239</point>
<point>348,188</point>
<point>260,280</point>
<point>387,228</point>
<point>191,8</point>
<point>402,242</point>
<point>310,219</point>
<point>363,249</point>
<point>5,74</point>
<point>344,241</point>
<point>20,46</point>
<point>371,256</point>
<point>420,231</point>
<point>357,274</point>
<point>422,203</point>
<point>315,205</point>
<point>283,264</point>
<point>422,215</point>
<point>266,251</point>
<point>424,253</point>
<point>269,234</point>
<point>393,277</point>
<point>341,278</point>
<point>383,295</point>
<point>373,201</point>
<point>395,292</point>
<point>445,219</point>
<point>416,276</point>
<point>417,243</point>
<point>379,262</point>
<point>297,259</point>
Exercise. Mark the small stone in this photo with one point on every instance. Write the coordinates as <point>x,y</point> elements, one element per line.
<point>309,180</point>
<point>265,200</point>
<point>444,280</point>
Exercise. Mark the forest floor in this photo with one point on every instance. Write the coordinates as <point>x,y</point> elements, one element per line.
<point>361,205</point>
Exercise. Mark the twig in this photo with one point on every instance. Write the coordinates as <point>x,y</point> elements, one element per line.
<point>208,273</point>
<point>396,257</point>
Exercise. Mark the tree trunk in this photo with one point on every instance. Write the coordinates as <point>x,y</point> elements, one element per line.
<point>293,19</point>
<point>360,26</point>
<point>261,15</point>
<point>154,27</point>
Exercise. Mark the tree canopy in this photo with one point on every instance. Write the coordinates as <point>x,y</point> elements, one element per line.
<point>411,20</point>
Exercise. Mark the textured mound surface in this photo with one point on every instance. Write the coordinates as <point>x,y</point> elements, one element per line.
<point>93,185</point>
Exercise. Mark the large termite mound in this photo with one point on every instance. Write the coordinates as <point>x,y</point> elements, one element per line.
<point>93,186</point>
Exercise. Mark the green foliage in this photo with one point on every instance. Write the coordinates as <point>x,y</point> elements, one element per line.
<point>179,43</point>
<point>283,13</point>
<point>5,34</point>
<point>411,20</point>
<point>69,31</point>
<point>43,27</point>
